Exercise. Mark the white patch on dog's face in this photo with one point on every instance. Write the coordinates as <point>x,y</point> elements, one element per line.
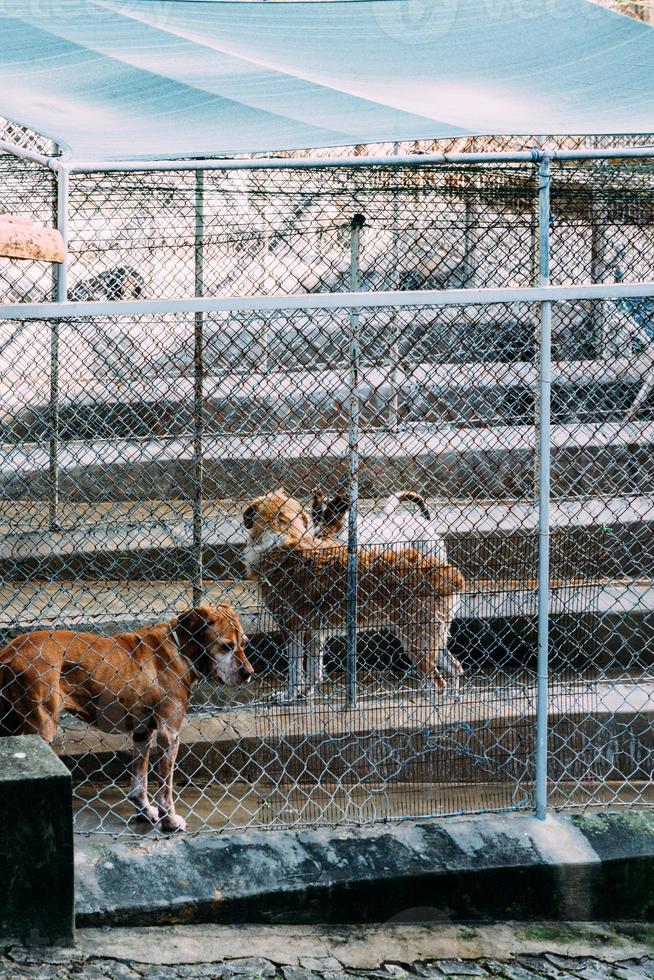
<point>229,662</point>
<point>254,550</point>
<point>227,668</point>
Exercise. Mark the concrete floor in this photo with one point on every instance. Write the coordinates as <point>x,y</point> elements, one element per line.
<point>270,766</point>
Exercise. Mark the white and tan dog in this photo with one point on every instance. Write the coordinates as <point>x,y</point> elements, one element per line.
<point>303,579</point>
<point>403,519</point>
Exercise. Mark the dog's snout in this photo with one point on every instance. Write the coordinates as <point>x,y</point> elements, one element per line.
<point>246,673</point>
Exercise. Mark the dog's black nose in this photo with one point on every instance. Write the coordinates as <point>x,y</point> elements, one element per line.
<point>248,517</point>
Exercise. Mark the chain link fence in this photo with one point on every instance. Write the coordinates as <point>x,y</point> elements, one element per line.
<point>139,453</point>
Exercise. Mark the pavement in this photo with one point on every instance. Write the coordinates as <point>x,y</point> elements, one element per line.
<point>406,947</point>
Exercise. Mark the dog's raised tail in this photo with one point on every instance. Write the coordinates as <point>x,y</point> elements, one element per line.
<point>409,497</point>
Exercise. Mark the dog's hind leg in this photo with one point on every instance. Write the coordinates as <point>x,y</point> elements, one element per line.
<point>294,642</point>
<point>138,794</point>
<point>39,703</point>
<point>449,665</point>
<point>422,646</point>
<point>168,743</point>
<point>315,662</point>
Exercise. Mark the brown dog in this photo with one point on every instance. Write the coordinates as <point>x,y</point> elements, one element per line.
<point>303,579</point>
<point>139,682</point>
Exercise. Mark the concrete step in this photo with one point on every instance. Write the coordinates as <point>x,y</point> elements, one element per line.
<point>154,405</point>
<point>122,349</point>
<point>496,462</point>
<point>600,621</point>
<point>610,538</point>
<point>608,727</point>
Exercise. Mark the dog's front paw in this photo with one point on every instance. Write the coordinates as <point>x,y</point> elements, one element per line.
<point>291,696</point>
<point>173,823</point>
<point>147,812</point>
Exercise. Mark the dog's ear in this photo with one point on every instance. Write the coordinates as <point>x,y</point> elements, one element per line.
<point>317,507</point>
<point>335,509</point>
<point>231,616</point>
<point>190,628</point>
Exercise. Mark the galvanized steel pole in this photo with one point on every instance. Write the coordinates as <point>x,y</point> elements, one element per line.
<point>198,394</point>
<point>61,296</point>
<point>353,457</point>
<point>436,298</point>
<point>544,395</point>
<point>394,347</point>
<point>322,163</point>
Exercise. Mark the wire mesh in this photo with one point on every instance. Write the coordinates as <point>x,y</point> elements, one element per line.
<point>167,428</point>
<point>28,191</point>
<point>600,746</point>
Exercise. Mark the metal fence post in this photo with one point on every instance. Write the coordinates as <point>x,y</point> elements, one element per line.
<point>544,396</point>
<point>61,295</point>
<point>353,457</point>
<point>394,414</point>
<point>198,394</point>
<point>599,267</point>
<point>268,286</point>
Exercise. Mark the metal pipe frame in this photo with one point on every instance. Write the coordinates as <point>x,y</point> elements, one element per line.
<point>61,291</point>
<point>330,301</point>
<point>63,195</point>
<point>543,294</point>
<point>544,406</point>
<point>394,346</point>
<point>31,155</point>
<point>198,394</point>
<point>354,427</point>
<point>533,155</point>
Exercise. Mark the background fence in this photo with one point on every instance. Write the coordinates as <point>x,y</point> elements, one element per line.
<point>132,442</point>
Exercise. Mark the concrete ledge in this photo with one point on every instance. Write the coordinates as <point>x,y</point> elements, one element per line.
<point>495,461</point>
<point>491,867</point>
<point>613,722</point>
<point>469,393</point>
<point>123,549</point>
<point>36,844</point>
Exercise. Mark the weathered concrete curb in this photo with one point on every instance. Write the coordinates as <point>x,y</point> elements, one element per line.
<point>490,867</point>
<point>366,947</point>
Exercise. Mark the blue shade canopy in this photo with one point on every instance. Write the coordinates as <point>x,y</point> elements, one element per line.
<point>147,79</point>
